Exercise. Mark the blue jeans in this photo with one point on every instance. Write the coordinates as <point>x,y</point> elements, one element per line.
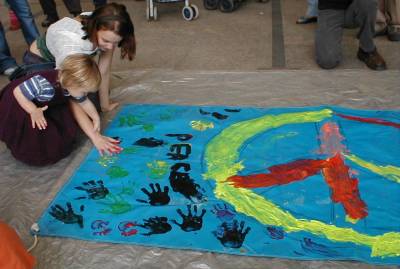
<point>29,29</point>
<point>312,8</point>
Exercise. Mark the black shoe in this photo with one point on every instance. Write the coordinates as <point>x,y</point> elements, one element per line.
<point>305,20</point>
<point>372,59</point>
<point>393,33</point>
<point>47,22</point>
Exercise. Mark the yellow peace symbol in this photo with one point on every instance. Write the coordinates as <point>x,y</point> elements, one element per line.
<point>221,161</point>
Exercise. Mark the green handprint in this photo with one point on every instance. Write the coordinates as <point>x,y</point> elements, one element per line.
<point>116,172</point>
<point>129,189</point>
<point>107,160</point>
<point>130,150</point>
<point>129,120</point>
<point>115,205</point>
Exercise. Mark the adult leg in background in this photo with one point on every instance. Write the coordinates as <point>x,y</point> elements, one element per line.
<point>328,38</point>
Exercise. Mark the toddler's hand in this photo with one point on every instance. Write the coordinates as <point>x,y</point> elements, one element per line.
<point>106,145</point>
<point>38,118</point>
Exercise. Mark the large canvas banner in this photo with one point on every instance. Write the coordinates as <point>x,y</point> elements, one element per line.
<point>303,183</point>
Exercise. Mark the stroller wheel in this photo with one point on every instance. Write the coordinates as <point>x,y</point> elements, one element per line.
<point>187,13</point>
<point>210,4</point>
<point>227,5</point>
<point>195,11</point>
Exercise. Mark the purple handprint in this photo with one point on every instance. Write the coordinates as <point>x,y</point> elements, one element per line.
<point>223,212</point>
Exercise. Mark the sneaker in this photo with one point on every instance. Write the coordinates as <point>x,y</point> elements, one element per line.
<point>9,71</point>
<point>393,33</point>
<point>372,59</point>
<point>306,20</point>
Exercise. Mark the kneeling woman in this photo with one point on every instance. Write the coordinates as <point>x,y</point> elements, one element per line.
<point>40,113</point>
<point>98,32</point>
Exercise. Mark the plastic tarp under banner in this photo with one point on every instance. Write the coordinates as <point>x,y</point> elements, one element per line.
<point>313,183</point>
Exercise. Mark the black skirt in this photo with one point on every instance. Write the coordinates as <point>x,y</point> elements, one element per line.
<point>34,146</point>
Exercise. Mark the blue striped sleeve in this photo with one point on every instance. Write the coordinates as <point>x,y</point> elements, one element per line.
<point>37,87</point>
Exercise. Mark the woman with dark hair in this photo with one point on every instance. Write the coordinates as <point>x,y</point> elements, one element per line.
<point>98,32</point>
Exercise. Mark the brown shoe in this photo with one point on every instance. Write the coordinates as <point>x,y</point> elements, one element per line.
<point>372,59</point>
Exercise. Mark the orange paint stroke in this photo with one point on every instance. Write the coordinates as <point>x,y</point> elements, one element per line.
<point>280,174</point>
<point>331,139</point>
<point>344,188</point>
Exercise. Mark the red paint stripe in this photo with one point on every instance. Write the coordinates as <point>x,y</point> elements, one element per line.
<point>371,120</point>
<point>344,188</point>
<point>280,174</point>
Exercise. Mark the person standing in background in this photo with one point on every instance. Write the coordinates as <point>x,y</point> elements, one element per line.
<point>311,13</point>
<point>22,10</point>
<point>50,10</point>
<point>333,17</point>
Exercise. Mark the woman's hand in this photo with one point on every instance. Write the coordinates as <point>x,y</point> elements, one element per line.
<point>38,119</point>
<point>106,145</point>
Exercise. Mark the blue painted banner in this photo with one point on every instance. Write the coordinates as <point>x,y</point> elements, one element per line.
<point>315,183</point>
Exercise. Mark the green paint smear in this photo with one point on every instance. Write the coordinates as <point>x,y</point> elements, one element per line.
<point>157,169</point>
<point>107,160</point>
<point>165,116</point>
<point>130,150</point>
<point>116,205</point>
<point>129,189</point>
<point>132,120</point>
<point>391,172</point>
<point>148,127</point>
<point>282,136</point>
<point>221,155</point>
<point>116,172</point>
<point>129,120</point>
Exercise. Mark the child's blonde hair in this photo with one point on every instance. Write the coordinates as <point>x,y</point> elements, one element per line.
<point>80,71</point>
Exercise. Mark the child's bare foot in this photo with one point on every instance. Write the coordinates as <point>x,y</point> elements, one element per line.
<point>110,107</point>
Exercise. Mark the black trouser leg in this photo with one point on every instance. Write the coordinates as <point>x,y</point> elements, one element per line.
<point>49,9</point>
<point>73,6</point>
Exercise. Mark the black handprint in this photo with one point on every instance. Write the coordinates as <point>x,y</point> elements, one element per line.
<point>214,114</point>
<point>231,235</point>
<point>203,112</point>
<point>190,222</point>
<point>156,196</point>
<point>181,137</point>
<point>182,183</point>
<point>67,216</point>
<point>232,110</point>
<point>150,142</point>
<point>156,225</point>
<point>95,190</point>
<point>219,116</point>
